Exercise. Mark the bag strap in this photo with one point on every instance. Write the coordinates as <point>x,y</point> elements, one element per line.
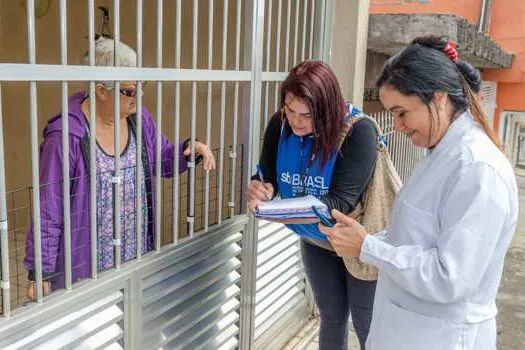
<point>349,123</point>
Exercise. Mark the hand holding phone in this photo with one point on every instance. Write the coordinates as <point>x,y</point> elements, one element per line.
<point>325,220</point>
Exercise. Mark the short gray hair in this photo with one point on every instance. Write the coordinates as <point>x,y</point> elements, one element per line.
<point>105,55</point>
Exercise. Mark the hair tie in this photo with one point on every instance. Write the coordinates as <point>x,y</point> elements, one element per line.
<point>451,51</point>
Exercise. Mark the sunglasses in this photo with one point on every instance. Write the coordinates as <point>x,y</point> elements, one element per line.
<point>129,92</point>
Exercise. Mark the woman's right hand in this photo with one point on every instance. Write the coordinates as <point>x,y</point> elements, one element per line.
<point>258,192</point>
<point>31,289</point>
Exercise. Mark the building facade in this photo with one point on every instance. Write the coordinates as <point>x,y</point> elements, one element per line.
<point>491,36</point>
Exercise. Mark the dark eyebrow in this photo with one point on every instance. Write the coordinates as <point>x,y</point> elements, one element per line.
<point>305,114</point>
<point>396,107</point>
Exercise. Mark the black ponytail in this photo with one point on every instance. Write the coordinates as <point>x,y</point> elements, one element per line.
<point>471,75</point>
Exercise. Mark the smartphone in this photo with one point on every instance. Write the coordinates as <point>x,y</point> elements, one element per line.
<point>325,220</point>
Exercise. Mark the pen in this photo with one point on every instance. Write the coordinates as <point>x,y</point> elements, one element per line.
<point>261,177</point>
<point>260,173</point>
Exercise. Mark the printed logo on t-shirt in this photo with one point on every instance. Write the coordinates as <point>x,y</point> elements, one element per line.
<point>313,185</point>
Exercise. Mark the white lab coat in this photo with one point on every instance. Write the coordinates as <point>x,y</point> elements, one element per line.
<point>441,260</point>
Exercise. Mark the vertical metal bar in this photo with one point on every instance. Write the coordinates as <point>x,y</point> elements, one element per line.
<point>138,173</point>
<point>4,241</point>
<point>223,111</point>
<point>329,14</point>
<point>322,10</point>
<point>278,49</point>
<point>296,33</point>
<point>191,206</point>
<point>402,156</point>
<point>392,140</point>
<point>396,152</point>
<point>92,145</point>
<point>399,146</point>
<point>305,17</point>
<point>208,114</point>
<point>287,44</point>
<point>406,153</point>
<point>411,159</point>
<point>312,24</point>
<point>65,148</point>
<point>322,31</point>
<point>268,34</point>
<point>176,177</point>
<point>117,175</point>
<point>158,129</point>
<point>233,153</point>
<point>249,244</point>
<point>34,153</point>
<point>268,49</point>
<point>278,34</point>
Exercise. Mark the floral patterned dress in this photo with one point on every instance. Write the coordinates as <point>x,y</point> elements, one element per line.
<point>105,202</point>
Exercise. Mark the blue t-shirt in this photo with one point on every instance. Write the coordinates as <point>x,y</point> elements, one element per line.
<point>300,174</point>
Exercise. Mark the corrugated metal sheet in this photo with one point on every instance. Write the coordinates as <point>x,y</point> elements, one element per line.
<point>280,285</point>
<point>95,326</point>
<point>194,302</point>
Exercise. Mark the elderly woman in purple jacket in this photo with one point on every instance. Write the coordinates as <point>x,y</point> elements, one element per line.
<point>51,195</point>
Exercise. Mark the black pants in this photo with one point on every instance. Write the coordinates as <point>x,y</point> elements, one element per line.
<point>337,294</point>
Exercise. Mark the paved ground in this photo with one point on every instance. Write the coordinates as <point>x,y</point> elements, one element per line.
<point>511,297</point>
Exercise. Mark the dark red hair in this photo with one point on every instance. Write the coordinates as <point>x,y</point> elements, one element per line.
<point>315,84</point>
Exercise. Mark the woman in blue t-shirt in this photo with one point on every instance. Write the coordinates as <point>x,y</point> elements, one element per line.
<point>300,157</point>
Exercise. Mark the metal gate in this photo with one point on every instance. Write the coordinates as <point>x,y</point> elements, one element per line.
<point>217,278</point>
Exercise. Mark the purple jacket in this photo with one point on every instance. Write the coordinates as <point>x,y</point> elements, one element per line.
<point>51,196</point>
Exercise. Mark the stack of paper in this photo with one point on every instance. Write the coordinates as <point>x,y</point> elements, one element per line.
<point>298,207</point>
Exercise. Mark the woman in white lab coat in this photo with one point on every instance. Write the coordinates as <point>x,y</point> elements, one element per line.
<point>441,259</point>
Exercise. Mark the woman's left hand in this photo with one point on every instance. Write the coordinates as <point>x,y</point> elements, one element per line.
<point>208,161</point>
<point>346,236</point>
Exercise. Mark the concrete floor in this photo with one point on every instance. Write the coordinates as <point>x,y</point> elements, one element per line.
<point>307,338</point>
<point>510,300</point>
<point>511,296</point>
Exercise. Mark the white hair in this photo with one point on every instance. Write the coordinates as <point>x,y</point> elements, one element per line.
<point>105,55</point>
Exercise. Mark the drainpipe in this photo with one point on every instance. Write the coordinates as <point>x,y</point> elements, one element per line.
<point>484,16</point>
